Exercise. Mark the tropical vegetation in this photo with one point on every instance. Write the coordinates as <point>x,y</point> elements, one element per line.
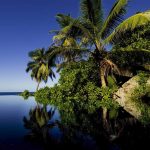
<point>40,66</point>
<point>104,64</point>
<point>88,36</point>
<point>26,94</point>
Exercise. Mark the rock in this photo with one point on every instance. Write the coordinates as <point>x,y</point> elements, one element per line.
<point>124,97</point>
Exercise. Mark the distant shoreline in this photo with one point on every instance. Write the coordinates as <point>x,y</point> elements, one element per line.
<point>11,93</point>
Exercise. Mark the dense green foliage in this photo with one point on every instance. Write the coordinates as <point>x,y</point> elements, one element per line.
<point>131,59</point>
<point>142,95</point>
<point>78,91</point>
<point>25,94</point>
<point>133,49</point>
<point>135,40</point>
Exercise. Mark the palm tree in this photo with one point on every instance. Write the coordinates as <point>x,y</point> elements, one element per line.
<point>40,66</point>
<point>92,31</point>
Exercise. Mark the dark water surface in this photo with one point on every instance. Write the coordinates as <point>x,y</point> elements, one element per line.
<point>11,93</point>
<point>28,125</point>
<point>12,132</point>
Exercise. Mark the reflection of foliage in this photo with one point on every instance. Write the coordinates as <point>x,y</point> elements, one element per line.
<point>38,122</point>
<point>131,134</point>
<point>26,94</point>
<point>79,99</point>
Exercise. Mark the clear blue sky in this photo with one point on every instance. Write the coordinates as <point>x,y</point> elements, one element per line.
<point>24,26</point>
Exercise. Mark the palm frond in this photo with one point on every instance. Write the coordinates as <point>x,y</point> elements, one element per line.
<point>82,27</point>
<point>69,42</point>
<point>63,20</point>
<point>114,17</point>
<point>37,54</point>
<point>40,66</point>
<point>129,24</point>
<point>54,31</point>
<point>92,10</point>
<point>63,33</point>
<point>51,74</point>
<point>62,50</point>
<point>30,65</point>
<point>74,30</point>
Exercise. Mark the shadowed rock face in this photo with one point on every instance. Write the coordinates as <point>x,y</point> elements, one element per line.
<point>124,94</point>
<point>146,99</point>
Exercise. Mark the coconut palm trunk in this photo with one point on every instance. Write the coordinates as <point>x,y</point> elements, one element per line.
<point>102,77</point>
<point>37,86</point>
<point>104,109</point>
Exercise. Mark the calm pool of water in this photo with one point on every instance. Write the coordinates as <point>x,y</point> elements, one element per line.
<point>27,125</point>
<point>12,131</point>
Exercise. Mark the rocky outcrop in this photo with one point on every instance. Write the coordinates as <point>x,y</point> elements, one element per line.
<point>125,94</point>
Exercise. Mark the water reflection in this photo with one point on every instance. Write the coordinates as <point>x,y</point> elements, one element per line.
<point>40,123</point>
<point>80,130</point>
<point>12,109</point>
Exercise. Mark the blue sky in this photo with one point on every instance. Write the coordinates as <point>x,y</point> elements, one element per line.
<point>25,26</point>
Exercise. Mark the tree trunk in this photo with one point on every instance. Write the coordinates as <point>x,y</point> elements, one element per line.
<point>102,77</point>
<point>124,94</point>
<point>104,113</point>
<point>37,86</point>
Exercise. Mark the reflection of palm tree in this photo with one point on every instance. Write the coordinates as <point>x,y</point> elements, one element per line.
<point>38,122</point>
<point>39,66</point>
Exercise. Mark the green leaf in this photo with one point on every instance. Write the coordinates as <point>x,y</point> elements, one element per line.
<point>92,10</point>
<point>129,24</point>
<point>114,17</point>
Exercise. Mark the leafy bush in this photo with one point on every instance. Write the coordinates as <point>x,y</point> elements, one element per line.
<point>26,94</point>
<point>138,94</point>
<point>78,91</point>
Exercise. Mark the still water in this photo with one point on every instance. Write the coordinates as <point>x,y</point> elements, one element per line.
<point>28,125</point>
<point>12,131</point>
